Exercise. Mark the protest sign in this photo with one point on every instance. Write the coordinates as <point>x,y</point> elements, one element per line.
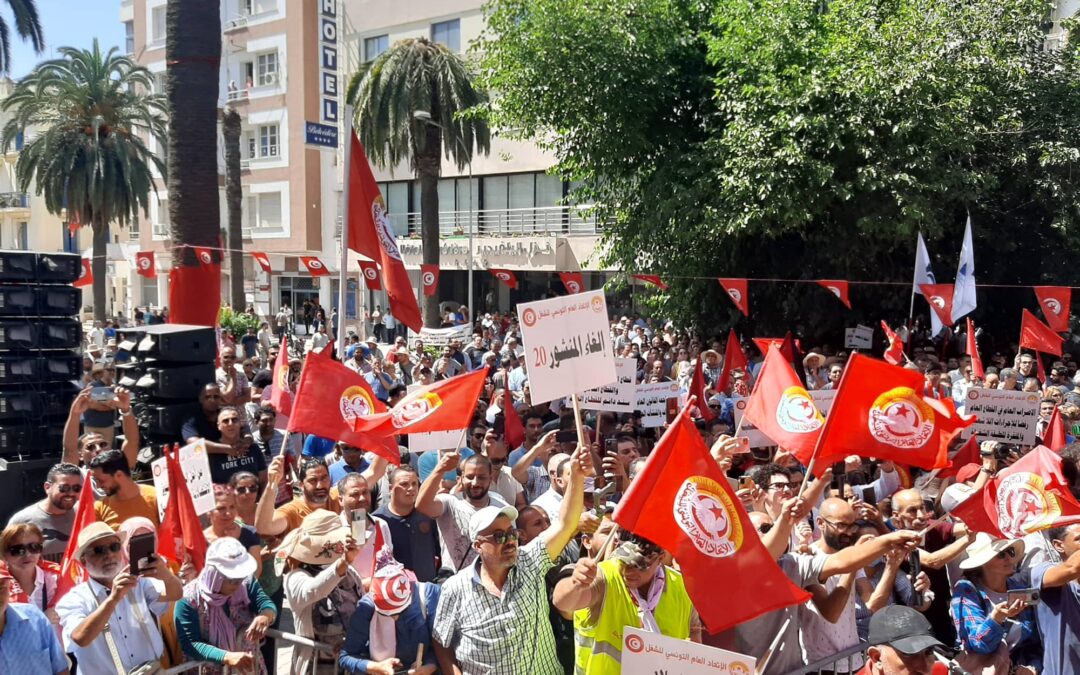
<point>440,337</point>
<point>618,397</point>
<point>567,347</point>
<point>757,437</point>
<point>1005,416</point>
<point>652,400</point>
<point>859,337</point>
<point>434,440</point>
<point>196,467</point>
<point>823,399</point>
<point>646,652</point>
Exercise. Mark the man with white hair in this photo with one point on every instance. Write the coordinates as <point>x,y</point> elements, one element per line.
<point>558,467</point>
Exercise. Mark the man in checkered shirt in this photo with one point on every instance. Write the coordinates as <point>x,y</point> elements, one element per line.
<point>493,615</point>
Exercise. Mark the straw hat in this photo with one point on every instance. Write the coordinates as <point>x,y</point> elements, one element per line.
<point>317,540</point>
<point>985,547</point>
<point>91,533</point>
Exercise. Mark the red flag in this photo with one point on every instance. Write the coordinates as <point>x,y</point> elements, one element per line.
<point>505,276</point>
<point>329,398</point>
<point>194,294</point>
<point>734,359</point>
<point>444,406</point>
<point>940,297</point>
<point>86,277</point>
<point>1029,496</point>
<point>884,415</point>
<point>1055,302</point>
<point>263,260</point>
<point>371,235</point>
<point>1035,334</point>
<point>1040,369</point>
<point>967,454</point>
<point>205,255</point>
<point>74,224</point>
<point>314,266</point>
<point>683,503</point>
<point>515,430</point>
<point>786,345</point>
<point>144,264</point>
<point>838,288</point>
<point>782,408</point>
<point>1054,436</point>
<point>180,524</point>
<point>737,291</point>
<point>71,570</point>
<point>651,279</point>
<point>574,282</point>
<point>697,388</point>
<point>370,272</point>
<point>281,394</point>
<point>973,352</point>
<point>895,353</point>
<point>429,278</point>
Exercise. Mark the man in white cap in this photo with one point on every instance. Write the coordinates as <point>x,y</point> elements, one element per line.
<point>473,608</point>
<point>114,606</point>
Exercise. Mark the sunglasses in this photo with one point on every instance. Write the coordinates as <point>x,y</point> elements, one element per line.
<point>648,562</point>
<point>69,489</point>
<point>500,537</point>
<point>1007,553</point>
<point>781,487</point>
<point>24,549</point>
<point>246,490</point>
<point>764,528</point>
<point>108,548</point>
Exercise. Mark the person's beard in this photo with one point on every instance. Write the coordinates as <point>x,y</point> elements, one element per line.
<point>313,496</point>
<point>58,502</point>
<point>837,542</point>
<point>476,492</point>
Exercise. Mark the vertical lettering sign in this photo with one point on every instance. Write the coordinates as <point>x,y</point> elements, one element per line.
<point>328,62</point>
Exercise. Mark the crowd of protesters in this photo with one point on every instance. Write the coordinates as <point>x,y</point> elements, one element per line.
<point>496,559</point>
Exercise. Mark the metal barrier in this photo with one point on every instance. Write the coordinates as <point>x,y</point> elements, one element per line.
<point>833,663</point>
<point>271,633</point>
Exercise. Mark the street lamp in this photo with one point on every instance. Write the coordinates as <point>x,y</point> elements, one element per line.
<point>425,116</point>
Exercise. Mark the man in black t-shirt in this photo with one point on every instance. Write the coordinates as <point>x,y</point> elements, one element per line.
<point>415,536</point>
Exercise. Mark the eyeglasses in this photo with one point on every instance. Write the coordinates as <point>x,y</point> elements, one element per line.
<point>1007,553</point>
<point>246,490</point>
<point>69,489</point>
<point>781,487</point>
<point>500,537</point>
<point>229,420</point>
<point>498,462</point>
<point>764,528</point>
<point>24,549</point>
<point>108,548</point>
<point>842,527</point>
<point>479,435</point>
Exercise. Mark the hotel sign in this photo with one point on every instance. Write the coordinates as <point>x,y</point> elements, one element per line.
<point>324,133</point>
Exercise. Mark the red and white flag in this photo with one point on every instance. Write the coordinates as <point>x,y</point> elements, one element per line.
<point>734,359</point>
<point>205,255</point>
<point>782,408</point>
<point>72,571</point>
<point>838,288</point>
<point>1035,334</point>
<point>263,260</point>
<point>144,264</point>
<point>370,272</point>
<point>1055,302</point>
<point>371,235</point>
<point>429,279</point>
<point>573,282</point>
<point>86,275</point>
<point>895,353</point>
<point>651,279</point>
<point>737,291</point>
<point>1054,436</point>
<point>281,393</point>
<point>447,405</point>
<point>505,276</point>
<point>940,297</point>
<point>697,390</point>
<point>181,535</point>
<point>973,352</point>
<point>314,266</point>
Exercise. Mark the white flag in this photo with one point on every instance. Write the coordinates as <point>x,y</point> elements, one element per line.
<point>925,275</point>
<point>964,292</point>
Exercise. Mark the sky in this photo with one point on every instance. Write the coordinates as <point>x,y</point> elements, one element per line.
<point>66,23</point>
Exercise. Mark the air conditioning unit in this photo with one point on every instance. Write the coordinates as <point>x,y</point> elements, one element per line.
<point>270,79</point>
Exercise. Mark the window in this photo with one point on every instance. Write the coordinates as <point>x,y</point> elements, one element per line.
<point>373,46</point>
<point>264,211</point>
<point>254,7</point>
<point>447,33</point>
<point>157,24</point>
<point>22,236</point>
<point>149,292</point>
<point>252,149</point>
<point>521,191</point>
<point>549,190</point>
<point>266,70</point>
<point>159,83</point>
<point>129,36</point>
<point>268,140</point>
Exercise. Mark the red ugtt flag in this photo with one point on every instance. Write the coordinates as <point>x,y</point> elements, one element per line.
<point>1029,496</point>
<point>443,406</point>
<point>1054,436</point>
<point>882,413</point>
<point>895,353</point>
<point>682,502</point>
<point>1035,334</point>
<point>371,235</point>
<point>515,431</point>
<point>782,409</point>
<point>281,394</point>
<point>973,352</point>
<point>180,525</point>
<point>697,389</point>
<point>72,572</point>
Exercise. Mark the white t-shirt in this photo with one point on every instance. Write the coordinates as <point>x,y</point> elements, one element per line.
<point>822,639</point>
<point>456,548</point>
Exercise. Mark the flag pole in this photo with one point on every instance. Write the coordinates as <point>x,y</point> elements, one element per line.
<point>343,271</point>
<point>914,282</point>
<point>824,430</point>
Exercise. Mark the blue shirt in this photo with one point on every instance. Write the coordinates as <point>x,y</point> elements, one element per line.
<point>1059,623</point>
<point>340,469</point>
<point>412,628</point>
<point>317,446</point>
<point>29,645</point>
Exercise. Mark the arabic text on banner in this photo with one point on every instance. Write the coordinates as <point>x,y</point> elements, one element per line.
<point>618,397</point>
<point>195,464</point>
<point>645,652</point>
<point>1005,416</point>
<point>652,401</point>
<point>757,437</point>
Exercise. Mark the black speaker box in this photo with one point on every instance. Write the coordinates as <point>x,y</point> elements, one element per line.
<point>38,300</point>
<point>49,268</point>
<point>175,382</point>
<point>30,404</point>
<point>164,419</point>
<point>22,483</point>
<point>41,367</point>
<point>176,343</point>
<point>40,438</point>
<point>40,334</point>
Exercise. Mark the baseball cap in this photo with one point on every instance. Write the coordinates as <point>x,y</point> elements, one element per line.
<point>955,495</point>
<point>483,519</point>
<point>229,557</point>
<point>902,628</point>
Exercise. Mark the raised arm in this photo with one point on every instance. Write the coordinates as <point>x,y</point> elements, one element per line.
<point>860,555</point>
<point>559,534</point>
<point>267,521</point>
<point>71,427</point>
<point>130,448</point>
<point>425,499</point>
<point>541,449</point>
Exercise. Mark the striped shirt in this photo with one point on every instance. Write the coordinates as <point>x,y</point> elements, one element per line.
<point>29,644</point>
<point>507,635</point>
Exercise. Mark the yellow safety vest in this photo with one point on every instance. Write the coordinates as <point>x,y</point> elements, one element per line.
<point>598,646</point>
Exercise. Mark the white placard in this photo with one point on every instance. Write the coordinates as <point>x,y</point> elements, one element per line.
<point>619,397</point>
<point>645,652</point>
<point>435,440</point>
<point>195,464</point>
<point>859,337</point>
<point>757,437</point>
<point>440,337</point>
<point>567,347</point>
<point>823,399</point>
<point>1006,416</point>
<point>652,401</point>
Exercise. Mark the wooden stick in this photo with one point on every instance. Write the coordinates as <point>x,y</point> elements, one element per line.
<point>582,441</point>
<point>419,654</point>
<point>764,661</point>
<point>284,444</point>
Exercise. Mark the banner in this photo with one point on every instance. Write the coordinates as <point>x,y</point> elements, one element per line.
<point>859,337</point>
<point>652,402</point>
<point>646,652</point>
<point>823,399</point>
<point>196,467</point>
<point>619,397</point>
<point>567,345</point>
<point>1005,416</point>
<point>440,337</point>
<point>434,440</point>
<point>757,437</point>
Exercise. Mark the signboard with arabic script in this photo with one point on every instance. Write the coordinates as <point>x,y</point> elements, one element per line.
<point>567,345</point>
<point>652,402</point>
<point>616,397</point>
<point>1005,416</point>
<point>645,652</point>
<point>195,464</point>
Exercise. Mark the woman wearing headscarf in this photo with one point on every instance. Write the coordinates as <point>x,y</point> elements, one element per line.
<point>224,613</point>
<point>321,586</point>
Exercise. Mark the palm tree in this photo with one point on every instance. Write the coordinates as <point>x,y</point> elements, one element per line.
<point>94,112</point>
<point>234,197</point>
<point>420,76</point>
<point>27,25</point>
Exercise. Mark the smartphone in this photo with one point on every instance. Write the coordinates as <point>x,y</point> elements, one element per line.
<point>359,526</point>
<point>567,432</point>
<point>102,394</point>
<point>868,495</point>
<point>141,552</point>
<point>1029,595</point>
<point>611,446</point>
<point>744,445</point>
<point>499,427</point>
<point>914,568</point>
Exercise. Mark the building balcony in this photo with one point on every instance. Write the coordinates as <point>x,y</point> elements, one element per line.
<point>235,24</point>
<point>536,221</point>
<point>14,201</point>
<point>237,95</point>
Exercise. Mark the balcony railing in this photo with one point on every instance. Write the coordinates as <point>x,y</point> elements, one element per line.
<point>238,95</point>
<point>14,200</point>
<point>236,23</point>
<point>541,220</point>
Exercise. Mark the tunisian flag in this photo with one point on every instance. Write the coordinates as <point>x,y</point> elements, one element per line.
<point>782,408</point>
<point>895,353</point>
<point>505,276</point>
<point>371,235</point>
<point>205,255</point>
<point>973,352</point>
<point>1055,302</point>
<point>429,278</point>
<point>683,503</point>
<point>697,389</point>
<point>651,279</point>
<point>737,291</point>
<point>144,264</point>
<point>1054,436</point>
<point>72,572</point>
<point>370,272</point>
<point>263,260</point>
<point>281,393</point>
<point>515,430</point>
<point>940,297</point>
<point>734,359</point>
<point>86,274</point>
<point>314,266</point>
<point>194,294</point>
<point>1035,334</point>
<point>180,525</point>
<point>329,398</point>
<point>1029,496</point>
<point>572,281</point>
<point>838,288</point>
<point>882,413</point>
<point>443,406</point>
